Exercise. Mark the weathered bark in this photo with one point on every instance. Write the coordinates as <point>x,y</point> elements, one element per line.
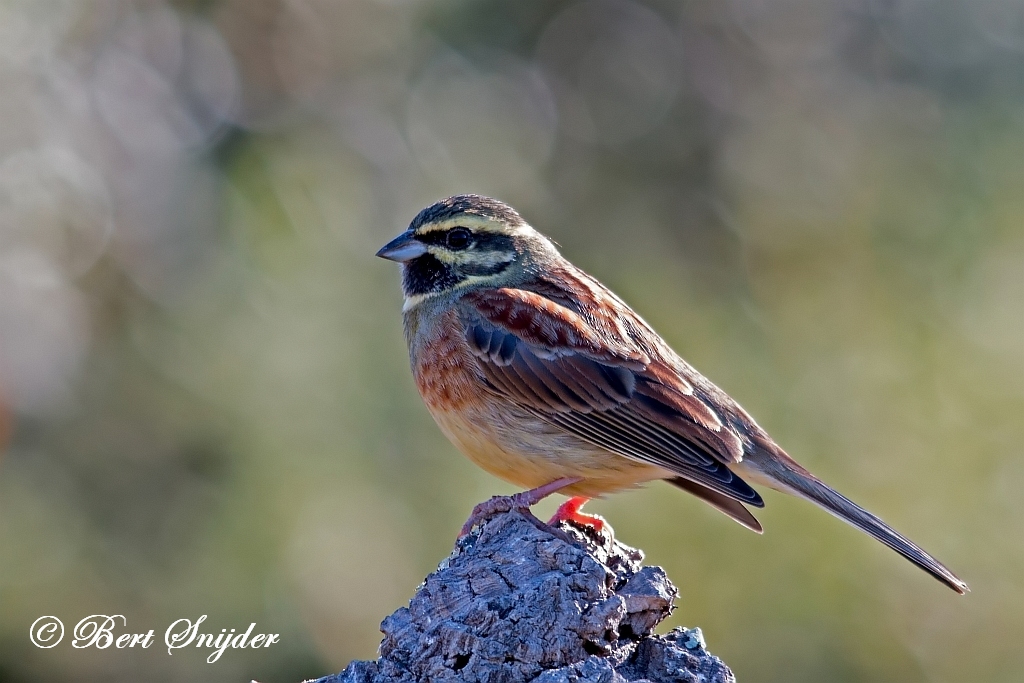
<point>515,602</point>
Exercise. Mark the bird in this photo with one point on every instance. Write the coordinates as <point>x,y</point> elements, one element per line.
<point>545,378</point>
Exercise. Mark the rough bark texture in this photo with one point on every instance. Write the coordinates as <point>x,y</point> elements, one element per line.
<point>515,602</point>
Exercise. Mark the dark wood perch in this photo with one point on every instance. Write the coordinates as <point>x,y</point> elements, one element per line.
<point>516,602</point>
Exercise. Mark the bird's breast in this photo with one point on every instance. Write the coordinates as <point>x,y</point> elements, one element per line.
<point>445,371</point>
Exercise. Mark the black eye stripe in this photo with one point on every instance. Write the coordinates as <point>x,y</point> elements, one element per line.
<point>481,240</point>
<point>435,237</point>
<point>490,241</point>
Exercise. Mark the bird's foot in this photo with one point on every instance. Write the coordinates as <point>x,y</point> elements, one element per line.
<point>486,510</point>
<point>523,501</point>
<point>569,511</point>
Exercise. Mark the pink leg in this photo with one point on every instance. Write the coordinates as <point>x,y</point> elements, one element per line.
<point>570,511</point>
<point>519,501</point>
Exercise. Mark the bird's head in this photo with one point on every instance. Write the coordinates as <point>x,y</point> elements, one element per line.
<point>464,242</point>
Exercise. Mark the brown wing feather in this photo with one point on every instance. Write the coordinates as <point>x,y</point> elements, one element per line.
<point>551,361</point>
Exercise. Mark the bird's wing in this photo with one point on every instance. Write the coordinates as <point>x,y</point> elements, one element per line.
<point>549,360</point>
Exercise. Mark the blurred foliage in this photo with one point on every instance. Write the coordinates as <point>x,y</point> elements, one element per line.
<point>206,401</point>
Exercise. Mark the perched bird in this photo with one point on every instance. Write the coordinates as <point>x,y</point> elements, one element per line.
<point>545,378</point>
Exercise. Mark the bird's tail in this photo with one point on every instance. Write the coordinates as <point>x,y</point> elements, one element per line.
<point>781,472</point>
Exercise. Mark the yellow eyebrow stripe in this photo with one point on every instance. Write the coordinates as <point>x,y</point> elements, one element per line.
<point>467,220</point>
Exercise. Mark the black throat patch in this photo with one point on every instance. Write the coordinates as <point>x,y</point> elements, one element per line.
<point>426,274</point>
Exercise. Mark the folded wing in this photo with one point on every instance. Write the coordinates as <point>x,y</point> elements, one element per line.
<point>550,361</point>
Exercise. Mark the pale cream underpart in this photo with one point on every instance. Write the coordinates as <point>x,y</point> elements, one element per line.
<point>523,450</point>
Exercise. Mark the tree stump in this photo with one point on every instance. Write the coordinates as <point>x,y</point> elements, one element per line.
<point>518,601</point>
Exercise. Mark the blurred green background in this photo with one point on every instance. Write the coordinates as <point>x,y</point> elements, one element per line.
<point>207,407</point>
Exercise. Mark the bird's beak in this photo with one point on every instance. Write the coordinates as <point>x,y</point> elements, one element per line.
<point>403,248</point>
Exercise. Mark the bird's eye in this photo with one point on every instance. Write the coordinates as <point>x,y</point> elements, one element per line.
<point>458,239</point>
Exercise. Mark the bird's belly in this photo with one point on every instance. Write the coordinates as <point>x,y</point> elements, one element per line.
<point>523,450</point>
